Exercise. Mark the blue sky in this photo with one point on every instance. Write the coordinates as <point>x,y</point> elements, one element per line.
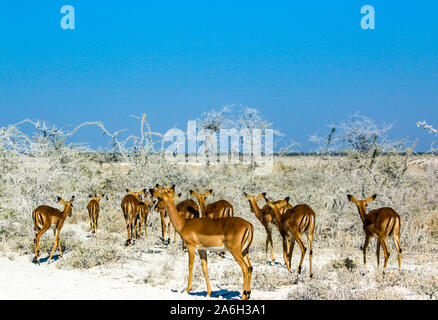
<point>303,64</point>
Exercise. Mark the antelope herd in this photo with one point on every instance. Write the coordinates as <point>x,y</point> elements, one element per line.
<point>213,227</point>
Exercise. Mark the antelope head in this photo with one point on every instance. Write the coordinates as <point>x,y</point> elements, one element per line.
<point>67,205</point>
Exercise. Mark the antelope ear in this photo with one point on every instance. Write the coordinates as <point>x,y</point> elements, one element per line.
<point>72,198</point>
<point>371,199</point>
<point>178,196</point>
<point>127,190</point>
<point>193,193</point>
<point>154,192</point>
<point>351,198</point>
<point>95,195</point>
<point>246,195</point>
<point>59,199</point>
<point>172,187</point>
<point>209,192</point>
<point>90,196</point>
<point>261,195</point>
<point>287,199</point>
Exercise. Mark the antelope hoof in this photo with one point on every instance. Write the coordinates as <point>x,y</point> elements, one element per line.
<point>35,260</point>
<point>311,275</point>
<point>127,243</point>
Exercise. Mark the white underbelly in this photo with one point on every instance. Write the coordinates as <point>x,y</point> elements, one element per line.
<point>222,248</point>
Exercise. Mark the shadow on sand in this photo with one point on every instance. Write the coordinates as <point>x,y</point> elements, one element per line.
<point>46,259</point>
<point>228,295</point>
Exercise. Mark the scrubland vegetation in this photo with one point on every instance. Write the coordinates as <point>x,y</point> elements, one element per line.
<point>355,158</point>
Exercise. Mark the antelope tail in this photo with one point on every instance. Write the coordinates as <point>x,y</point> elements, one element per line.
<point>247,240</point>
<point>391,226</point>
<point>37,221</point>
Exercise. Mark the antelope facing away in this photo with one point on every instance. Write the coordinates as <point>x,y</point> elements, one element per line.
<point>266,216</point>
<point>218,209</point>
<point>142,217</point>
<point>232,233</point>
<point>379,223</point>
<point>43,218</point>
<point>93,208</point>
<point>131,207</point>
<point>292,224</point>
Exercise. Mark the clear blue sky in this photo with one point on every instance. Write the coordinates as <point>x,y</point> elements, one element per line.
<point>303,64</point>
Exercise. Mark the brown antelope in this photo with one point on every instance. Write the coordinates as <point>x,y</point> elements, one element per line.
<point>379,223</point>
<point>233,234</point>
<point>292,224</point>
<point>93,208</point>
<point>164,217</point>
<point>188,209</point>
<point>266,216</point>
<point>142,217</point>
<point>43,218</point>
<point>218,209</point>
<point>130,207</point>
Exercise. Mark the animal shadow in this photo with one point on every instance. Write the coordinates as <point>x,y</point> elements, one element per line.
<point>228,295</point>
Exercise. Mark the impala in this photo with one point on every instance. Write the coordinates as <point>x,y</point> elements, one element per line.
<point>188,209</point>
<point>164,217</point>
<point>232,233</point>
<point>218,209</point>
<point>93,208</point>
<point>130,207</point>
<point>266,216</point>
<point>379,223</point>
<point>43,218</point>
<point>292,224</point>
<point>142,217</point>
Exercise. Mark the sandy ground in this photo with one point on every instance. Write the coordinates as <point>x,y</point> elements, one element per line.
<point>21,279</point>
<point>154,271</point>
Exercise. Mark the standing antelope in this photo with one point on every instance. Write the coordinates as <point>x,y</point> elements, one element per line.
<point>43,218</point>
<point>188,209</point>
<point>93,208</point>
<point>130,207</point>
<point>218,209</point>
<point>233,234</point>
<point>142,217</point>
<point>164,216</point>
<point>292,224</point>
<point>379,223</point>
<point>266,216</point>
